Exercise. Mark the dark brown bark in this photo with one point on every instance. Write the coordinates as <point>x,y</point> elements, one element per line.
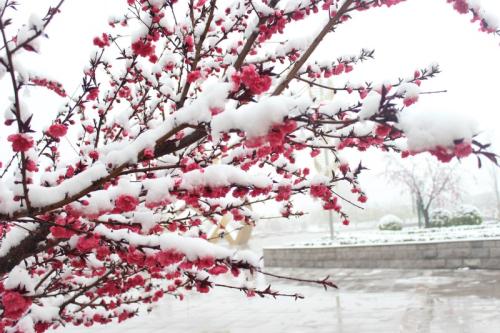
<point>26,248</point>
<point>30,245</point>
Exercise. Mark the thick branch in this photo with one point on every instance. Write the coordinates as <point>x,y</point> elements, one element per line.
<point>253,37</point>
<point>26,248</point>
<point>198,50</point>
<point>326,29</point>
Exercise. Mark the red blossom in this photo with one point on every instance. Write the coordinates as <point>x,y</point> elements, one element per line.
<point>89,129</point>
<point>93,94</point>
<point>57,130</point>
<point>193,76</point>
<point>20,142</point>
<point>189,42</point>
<point>61,232</point>
<point>145,111</point>
<point>215,111</point>
<point>410,100</point>
<point>94,155</point>
<point>51,85</point>
<point>315,152</point>
<point>87,243</point>
<point>14,304</point>
<point>284,193</point>
<point>143,48</point>
<point>383,130</point>
<point>344,168</point>
<point>461,6</point>
<point>362,199</point>
<point>126,203</point>
<point>217,270</point>
<point>257,84</point>
<point>463,149</point>
<point>102,41</point>
<point>31,166</point>
<point>149,153</point>
<point>320,191</point>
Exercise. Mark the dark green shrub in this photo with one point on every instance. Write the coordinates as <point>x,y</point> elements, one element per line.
<point>465,215</point>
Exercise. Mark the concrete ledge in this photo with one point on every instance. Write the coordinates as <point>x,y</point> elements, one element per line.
<point>477,254</point>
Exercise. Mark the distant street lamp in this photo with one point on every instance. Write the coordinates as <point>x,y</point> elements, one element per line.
<point>324,95</point>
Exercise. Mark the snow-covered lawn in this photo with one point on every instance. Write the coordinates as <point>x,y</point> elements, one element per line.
<point>488,230</point>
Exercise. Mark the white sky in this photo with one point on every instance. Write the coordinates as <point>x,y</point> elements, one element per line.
<point>406,37</point>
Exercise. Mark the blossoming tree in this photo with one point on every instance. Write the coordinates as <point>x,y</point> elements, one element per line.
<point>188,110</point>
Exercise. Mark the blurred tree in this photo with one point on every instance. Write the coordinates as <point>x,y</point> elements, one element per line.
<point>430,183</point>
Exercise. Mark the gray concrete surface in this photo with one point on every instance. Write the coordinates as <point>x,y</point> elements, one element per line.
<point>368,301</point>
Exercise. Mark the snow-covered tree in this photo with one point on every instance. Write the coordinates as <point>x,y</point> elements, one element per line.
<point>187,111</point>
<point>428,182</point>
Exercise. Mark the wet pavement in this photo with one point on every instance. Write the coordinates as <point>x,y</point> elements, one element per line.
<point>427,301</point>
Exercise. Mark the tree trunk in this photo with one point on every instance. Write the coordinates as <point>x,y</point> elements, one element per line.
<point>497,191</point>
<point>420,210</point>
<point>426,217</point>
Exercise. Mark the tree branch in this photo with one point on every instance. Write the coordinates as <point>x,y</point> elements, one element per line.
<point>326,29</point>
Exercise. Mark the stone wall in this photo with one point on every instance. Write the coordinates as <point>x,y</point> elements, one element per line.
<point>479,254</point>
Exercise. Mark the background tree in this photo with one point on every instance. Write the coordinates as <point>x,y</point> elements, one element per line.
<point>103,207</point>
<point>496,190</point>
<point>429,182</point>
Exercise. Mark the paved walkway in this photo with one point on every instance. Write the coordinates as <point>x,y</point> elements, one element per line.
<point>368,301</point>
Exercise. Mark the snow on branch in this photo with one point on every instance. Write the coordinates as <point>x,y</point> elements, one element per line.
<point>187,112</point>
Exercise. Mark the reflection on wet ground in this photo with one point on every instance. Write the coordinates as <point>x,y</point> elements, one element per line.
<point>424,301</point>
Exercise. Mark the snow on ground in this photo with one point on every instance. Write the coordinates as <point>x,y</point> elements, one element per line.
<point>488,230</point>
<point>368,301</point>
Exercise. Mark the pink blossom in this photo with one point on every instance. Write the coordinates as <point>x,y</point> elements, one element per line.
<point>87,243</point>
<point>143,48</point>
<point>410,100</point>
<point>193,76</point>
<point>20,142</point>
<point>126,203</point>
<point>57,130</point>
<point>14,304</point>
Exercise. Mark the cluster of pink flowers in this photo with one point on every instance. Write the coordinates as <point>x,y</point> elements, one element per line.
<point>126,203</point>
<point>257,83</point>
<point>66,228</point>
<point>49,84</point>
<point>93,94</point>
<point>21,142</point>
<point>87,243</point>
<point>131,126</point>
<point>57,130</point>
<point>189,43</point>
<point>284,193</point>
<point>337,70</point>
<point>460,6</point>
<point>362,144</point>
<point>193,76</point>
<point>102,41</point>
<point>445,154</point>
<point>14,304</point>
<point>143,48</point>
<point>383,130</point>
<point>407,101</point>
<point>275,138</point>
<point>275,24</point>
